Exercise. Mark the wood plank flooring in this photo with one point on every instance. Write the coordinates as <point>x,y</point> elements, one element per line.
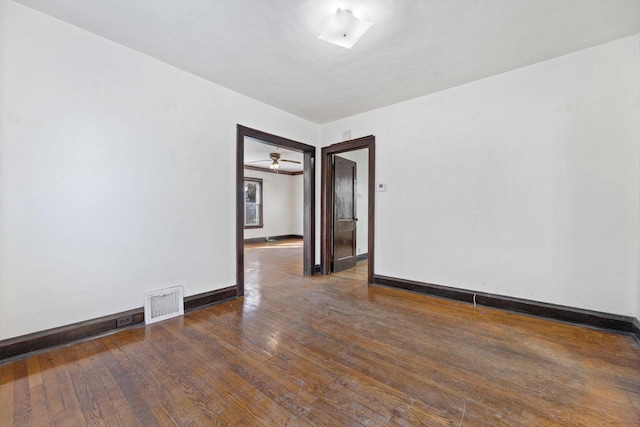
<point>331,351</point>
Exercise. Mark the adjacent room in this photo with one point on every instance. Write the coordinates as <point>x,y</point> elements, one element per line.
<point>273,211</point>
<point>320,212</point>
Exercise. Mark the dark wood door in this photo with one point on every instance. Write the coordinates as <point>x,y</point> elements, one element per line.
<point>344,214</point>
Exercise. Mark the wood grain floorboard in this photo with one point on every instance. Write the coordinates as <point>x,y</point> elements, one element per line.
<point>330,351</point>
<point>37,400</point>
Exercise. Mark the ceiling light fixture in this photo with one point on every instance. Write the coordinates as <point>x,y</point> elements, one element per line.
<point>344,29</point>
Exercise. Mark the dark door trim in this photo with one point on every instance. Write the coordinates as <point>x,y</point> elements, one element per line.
<point>326,201</point>
<point>309,215</point>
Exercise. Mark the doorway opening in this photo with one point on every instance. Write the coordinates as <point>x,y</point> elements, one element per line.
<point>308,216</point>
<point>328,215</point>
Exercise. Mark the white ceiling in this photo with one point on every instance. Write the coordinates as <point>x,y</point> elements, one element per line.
<point>255,150</point>
<point>268,49</point>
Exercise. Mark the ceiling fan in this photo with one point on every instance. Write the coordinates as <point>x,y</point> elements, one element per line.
<point>275,161</point>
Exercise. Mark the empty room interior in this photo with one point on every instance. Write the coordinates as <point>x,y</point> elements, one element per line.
<point>319,212</point>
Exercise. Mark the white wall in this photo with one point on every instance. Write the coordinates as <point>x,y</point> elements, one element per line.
<point>116,174</point>
<point>361,157</point>
<point>297,204</point>
<point>523,184</point>
<point>282,207</point>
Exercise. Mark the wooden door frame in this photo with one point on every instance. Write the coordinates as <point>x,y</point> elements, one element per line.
<point>309,185</point>
<point>326,213</point>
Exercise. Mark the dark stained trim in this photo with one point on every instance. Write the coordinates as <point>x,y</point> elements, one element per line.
<point>636,329</point>
<point>326,199</point>
<point>281,237</point>
<point>280,172</point>
<point>205,299</point>
<point>309,216</point>
<point>309,219</point>
<point>16,347</point>
<point>66,334</point>
<point>362,257</point>
<point>239,211</point>
<point>578,316</point>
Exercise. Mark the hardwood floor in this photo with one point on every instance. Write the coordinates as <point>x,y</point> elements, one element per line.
<point>330,350</point>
